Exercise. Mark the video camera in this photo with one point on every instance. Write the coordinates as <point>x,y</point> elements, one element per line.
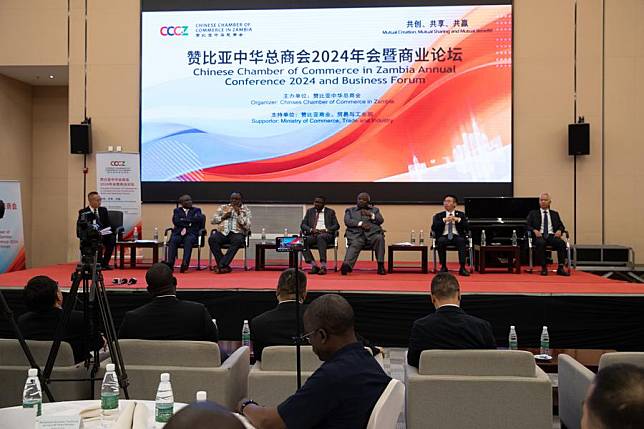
<point>289,243</point>
<point>89,235</point>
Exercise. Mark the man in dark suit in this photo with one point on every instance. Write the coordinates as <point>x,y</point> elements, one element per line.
<point>166,317</point>
<point>547,228</point>
<point>450,227</point>
<point>44,302</point>
<point>363,226</point>
<point>187,221</point>
<point>277,327</point>
<point>96,214</point>
<point>449,327</point>
<point>319,226</point>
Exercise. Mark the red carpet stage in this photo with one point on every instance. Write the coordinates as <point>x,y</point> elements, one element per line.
<point>363,279</point>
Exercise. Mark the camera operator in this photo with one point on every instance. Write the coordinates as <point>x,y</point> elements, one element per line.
<point>95,217</point>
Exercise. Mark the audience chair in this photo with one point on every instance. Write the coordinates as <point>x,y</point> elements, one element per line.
<point>313,246</point>
<point>564,236</point>
<point>388,408</point>
<point>469,250</point>
<point>193,366</point>
<point>227,246</point>
<point>575,379</point>
<point>273,379</point>
<point>201,242</point>
<point>14,366</point>
<point>478,389</point>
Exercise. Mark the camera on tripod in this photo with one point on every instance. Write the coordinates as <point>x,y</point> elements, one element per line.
<point>89,235</point>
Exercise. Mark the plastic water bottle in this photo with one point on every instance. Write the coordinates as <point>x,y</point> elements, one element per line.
<point>109,397</point>
<point>32,394</point>
<point>421,238</point>
<point>285,232</point>
<point>246,334</point>
<point>513,341</point>
<point>483,238</point>
<point>202,396</point>
<point>413,237</point>
<point>135,235</point>
<point>514,237</point>
<point>156,234</point>
<point>165,400</point>
<point>263,235</point>
<point>545,342</point>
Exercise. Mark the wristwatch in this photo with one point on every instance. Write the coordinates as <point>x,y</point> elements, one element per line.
<point>245,404</point>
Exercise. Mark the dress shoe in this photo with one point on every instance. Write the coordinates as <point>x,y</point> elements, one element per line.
<point>443,269</point>
<point>562,272</point>
<point>314,269</point>
<point>345,269</point>
<point>381,268</point>
<point>322,271</point>
<point>463,272</point>
<point>224,270</point>
<point>544,271</point>
<point>183,268</point>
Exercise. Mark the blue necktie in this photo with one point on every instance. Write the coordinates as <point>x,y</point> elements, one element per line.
<point>450,230</point>
<point>545,224</point>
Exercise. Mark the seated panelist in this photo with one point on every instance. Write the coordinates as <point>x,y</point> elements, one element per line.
<point>547,228</point>
<point>450,227</point>
<point>319,227</point>
<point>96,214</point>
<point>187,221</point>
<point>233,222</point>
<point>363,223</point>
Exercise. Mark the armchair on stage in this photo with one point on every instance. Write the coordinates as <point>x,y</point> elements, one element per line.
<point>200,243</point>
<point>227,246</point>
<point>564,236</point>
<point>469,249</point>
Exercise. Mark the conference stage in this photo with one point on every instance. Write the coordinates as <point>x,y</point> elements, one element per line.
<point>581,311</point>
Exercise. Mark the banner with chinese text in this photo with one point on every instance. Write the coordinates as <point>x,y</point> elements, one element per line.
<point>12,242</point>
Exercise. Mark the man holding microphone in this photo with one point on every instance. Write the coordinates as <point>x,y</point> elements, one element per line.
<point>233,223</point>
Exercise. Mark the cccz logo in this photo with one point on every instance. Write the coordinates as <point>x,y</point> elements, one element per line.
<point>117,163</point>
<point>174,30</point>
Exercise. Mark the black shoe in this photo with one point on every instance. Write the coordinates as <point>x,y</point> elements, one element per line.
<point>322,271</point>
<point>463,272</point>
<point>224,270</point>
<point>443,269</point>
<point>183,268</point>
<point>314,269</point>
<point>381,268</point>
<point>345,269</point>
<point>544,271</point>
<point>562,272</point>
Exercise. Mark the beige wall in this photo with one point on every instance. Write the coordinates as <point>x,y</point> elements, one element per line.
<point>544,103</point>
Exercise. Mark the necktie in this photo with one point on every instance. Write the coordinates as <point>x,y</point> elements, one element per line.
<point>450,230</point>
<point>96,215</point>
<point>545,224</point>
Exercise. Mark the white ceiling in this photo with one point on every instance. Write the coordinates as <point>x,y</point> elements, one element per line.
<point>38,75</point>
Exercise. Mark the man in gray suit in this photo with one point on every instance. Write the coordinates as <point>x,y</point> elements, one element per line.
<point>363,226</point>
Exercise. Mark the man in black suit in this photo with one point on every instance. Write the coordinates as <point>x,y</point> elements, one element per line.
<point>547,228</point>
<point>96,214</point>
<point>363,223</point>
<point>319,226</point>
<point>166,317</point>
<point>449,327</point>
<point>450,227</point>
<point>44,302</point>
<point>187,221</point>
<point>277,327</point>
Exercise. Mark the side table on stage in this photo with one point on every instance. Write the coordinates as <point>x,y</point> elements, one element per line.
<point>406,248</point>
<point>260,257</point>
<point>511,252</point>
<point>138,244</point>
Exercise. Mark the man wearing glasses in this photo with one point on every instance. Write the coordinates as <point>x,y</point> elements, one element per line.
<point>339,394</point>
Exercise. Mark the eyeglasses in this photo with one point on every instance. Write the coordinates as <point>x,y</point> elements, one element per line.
<point>307,337</point>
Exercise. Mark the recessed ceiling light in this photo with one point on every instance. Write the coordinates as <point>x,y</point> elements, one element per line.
<point>51,76</point>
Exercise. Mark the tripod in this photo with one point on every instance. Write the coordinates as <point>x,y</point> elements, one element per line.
<point>88,274</point>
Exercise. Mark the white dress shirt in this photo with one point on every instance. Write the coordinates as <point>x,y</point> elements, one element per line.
<point>454,231</point>
<point>550,230</point>
<point>320,224</point>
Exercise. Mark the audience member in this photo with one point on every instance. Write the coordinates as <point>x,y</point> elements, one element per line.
<point>44,302</point>
<point>204,415</point>
<point>339,394</point>
<point>615,400</point>
<point>277,327</point>
<point>166,317</point>
<point>449,327</point>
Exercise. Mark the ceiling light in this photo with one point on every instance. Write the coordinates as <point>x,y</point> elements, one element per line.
<point>51,76</point>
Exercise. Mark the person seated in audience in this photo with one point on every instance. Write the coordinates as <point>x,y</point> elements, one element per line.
<point>166,317</point>
<point>547,227</point>
<point>449,227</point>
<point>363,222</point>
<point>449,327</point>
<point>233,223</point>
<point>342,392</point>
<point>615,399</point>
<point>44,302</point>
<point>204,415</point>
<point>187,221</point>
<point>319,226</point>
<point>277,327</point>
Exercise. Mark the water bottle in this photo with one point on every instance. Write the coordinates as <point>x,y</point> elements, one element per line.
<point>165,400</point>
<point>263,235</point>
<point>483,238</point>
<point>246,334</point>
<point>514,237</point>
<point>413,237</point>
<point>513,341</point>
<point>156,234</point>
<point>421,238</point>
<point>285,232</point>
<point>109,397</point>
<point>135,235</point>
<point>202,396</point>
<point>545,342</point>
<point>32,394</point>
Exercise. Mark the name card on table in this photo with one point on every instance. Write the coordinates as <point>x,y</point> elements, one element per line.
<point>60,422</point>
